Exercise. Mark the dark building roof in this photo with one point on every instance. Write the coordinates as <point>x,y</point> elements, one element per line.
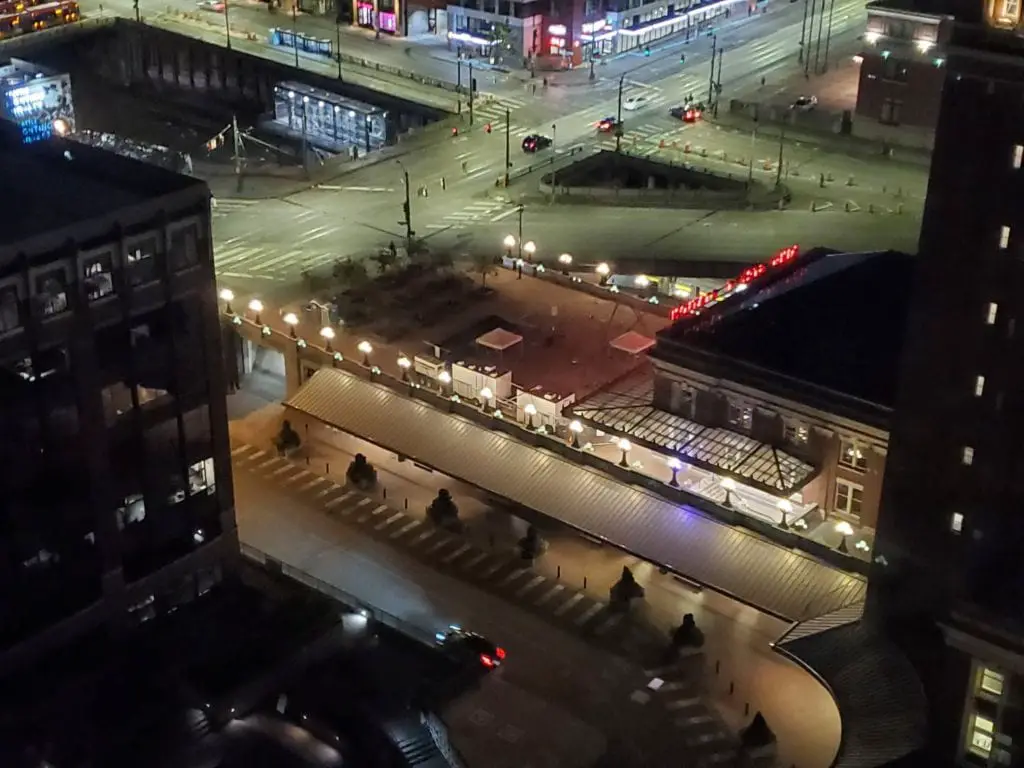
<point>834,321</point>
<point>963,10</point>
<point>56,183</point>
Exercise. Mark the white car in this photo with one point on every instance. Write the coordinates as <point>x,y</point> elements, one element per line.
<point>634,103</point>
<point>804,104</point>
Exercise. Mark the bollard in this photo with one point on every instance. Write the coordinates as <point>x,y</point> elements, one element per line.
<point>584,582</point>
<point>406,503</point>
<point>846,206</point>
<point>746,708</point>
<point>884,189</point>
<point>327,466</point>
<point>813,209</point>
<point>384,492</point>
<point>821,180</point>
<point>871,207</point>
<point>849,181</point>
<point>718,666</point>
<point>899,192</point>
<point>307,461</point>
<point>732,688</point>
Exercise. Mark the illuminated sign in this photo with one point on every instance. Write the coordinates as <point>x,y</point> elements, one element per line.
<point>387,21</point>
<point>25,101</point>
<point>35,130</point>
<point>557,29</point>
<point>594,27</point>
<point>740,283</point>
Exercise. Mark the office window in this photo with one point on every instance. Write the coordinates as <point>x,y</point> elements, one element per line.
<point>967,456</point>
<point>1008,10</point>
<point>51,292</point>
<point>140,261</point>
<point>98,276</point>
<point>201,477</point>
<point>991,312</point>
<point>979,736</point>
<point>891,112</point>
<point>849,497</point>
<point>10,309</point>
<point>740,416</point>
<point>1004,237</point>
<point>796,434</point>
<point>184,246</point>
<point>956,522</point>
<point>979,386</point>
<point>1018,155</point>
<point>990,682</point>
<point>850,455</point>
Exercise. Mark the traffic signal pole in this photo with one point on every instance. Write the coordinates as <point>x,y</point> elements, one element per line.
<point>618,117</point>
<point>508,144</point>
<point>711,76</point>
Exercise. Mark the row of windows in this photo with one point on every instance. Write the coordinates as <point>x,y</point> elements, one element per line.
<point>49,285</point>
<point>981,740</point>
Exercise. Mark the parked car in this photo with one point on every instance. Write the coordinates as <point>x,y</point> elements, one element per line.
<point>607,124</point>
<point>804,103</point>
<point>635,102</point>
<point>463,646</point>
<point>688,113</point>
<point>536,142</point>
<point>216,6</point>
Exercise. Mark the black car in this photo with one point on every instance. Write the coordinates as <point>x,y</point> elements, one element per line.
<point>536,142</point>
<point>463,646</point>
<point>688,113</point>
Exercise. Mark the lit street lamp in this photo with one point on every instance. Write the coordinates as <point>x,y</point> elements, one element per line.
<point>531,411</point>
<point>575,427</point>
<point>227,296</point>
<point>485,398</point>
<point>256,306</point>
<point>625,447</point>
<point>529,248</point>
<point>367,349</point>
<point>603,270</point>
<point>730,485</point>
<point>844,529</point>
<point>675,465</point>
<point>291,320</point>
<point>327,333</point>
<point>404,364</point>
<point>566,261</point>
<point>786,509</point>
<point>510,243</point>
<point>445,379</point>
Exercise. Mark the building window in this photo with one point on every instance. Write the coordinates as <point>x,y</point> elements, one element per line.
<point>850,455</point>
<point>956,522</point>
<point>796,434</point>
<point>979,739</point>
<point>967,456</point>
<point>1018,155</point>
<point>740,416</point>
<point>895,70</point>
<point>98,276</point>
<point>1004,237</point>
<point>140,261</point>
<point>1008,11</point>
<point>979,386</point>
<point>849,497</point>
<point>891,109</point>
<point>991,312</point>
<point>201,477</point>
<point>10,309</point>
<point>184,246</point>
<point>990,682</point>
<point>51,292</point>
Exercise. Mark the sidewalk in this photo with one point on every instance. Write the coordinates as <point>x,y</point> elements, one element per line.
<point>738,656</point>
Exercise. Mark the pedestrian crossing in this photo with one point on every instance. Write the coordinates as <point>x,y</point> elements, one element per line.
<point>222,207</point>
<point>501,573</point>
<point>476,212</point>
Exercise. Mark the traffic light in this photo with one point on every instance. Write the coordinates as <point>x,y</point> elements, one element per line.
<point>647,50</point>
<point>455,131</point>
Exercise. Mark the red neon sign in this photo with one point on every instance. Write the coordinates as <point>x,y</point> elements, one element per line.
<point>746,277</point>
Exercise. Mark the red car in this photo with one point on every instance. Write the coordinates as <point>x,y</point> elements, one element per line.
<point>607,125</point>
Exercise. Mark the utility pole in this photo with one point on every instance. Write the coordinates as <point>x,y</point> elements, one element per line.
<point>406,210</point>
<point>803,35</point>
<point>718,81</point>
<point>458,86</point>
<point>520,232</point>
<point>807,46</point>
<point>828,33</point>
<point>618,117</point>
<point>753,145</point>
<point>239,149</point>
<point>554,147</point>
<point>470,94</point>
<point>227,23</point>
<point>508,145</point>
<point>337,45</point>
<point>295,36</point>
<point>778,171</point>
<point>817,43</point>
<point>711,76</point>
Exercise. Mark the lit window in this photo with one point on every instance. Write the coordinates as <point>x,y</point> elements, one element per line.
<point>201,477</point>
<point>796,434</point>
<point>956,524</point>
<point>1018,155</point>
<point>850,455</point>
<point>990,315</point>
<point>980,736</point>
<point>1004,236</point>
<point>849,497</point>
<point>990,681</point>
<point>979,385</point>
<point>967,455</point>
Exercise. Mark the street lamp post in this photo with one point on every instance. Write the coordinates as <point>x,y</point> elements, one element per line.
<point>508,145</point>
<point>625,446</point>
<point>509,242</point>
<point>782,139</point>
<point>227,23</point>
<point>520,232</point>
<point>291,320</point>
<point>530,410</point>
<point>470,94</point>
<point>404,364</point>
<point>256,307</point>
<point>227,296</point>
<point>554,171</point>
<point>711,76</point>
<point>566,261</point>
<point>618,116</point>
<point>327,334</point>
<point>407,210</point>
<point>603,270</point>
<point>337,44</point>
<point>367,349</point>
<point>529,248</point>
<point>730,485</point>
<point>675,465</point>
<point>575,428</point>
<point>803,35</point>
<point>828,33</point>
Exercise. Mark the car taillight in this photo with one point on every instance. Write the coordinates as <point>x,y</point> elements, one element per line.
<point>486,660</point>
<point>500,653</point>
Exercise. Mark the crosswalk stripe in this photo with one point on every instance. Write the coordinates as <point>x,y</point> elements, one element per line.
<point>469,564</point>
<point>568,604</point>
<point>608,623</point>
<point>385,523</point>
<point>302,474</point>
<point>549,594</point>
<point>312,484</point>
<point>339,499</point>
<point>682,703</point>
<point>531,584</point>
<point>255,456</point>
<point>588,614</point>
<point>267,463</point>
<point>404,529</point>
<point>422,537</point>
<point>694,720</point>
<point>495,567</point>
<point>512,576</point>
<point>330,487</point>
<point>241,450</point>
<point>457,553</point>
<point>444,540</point>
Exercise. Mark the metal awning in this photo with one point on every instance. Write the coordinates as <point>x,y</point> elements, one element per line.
<point>684,540</point>
<point>627,410</point>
